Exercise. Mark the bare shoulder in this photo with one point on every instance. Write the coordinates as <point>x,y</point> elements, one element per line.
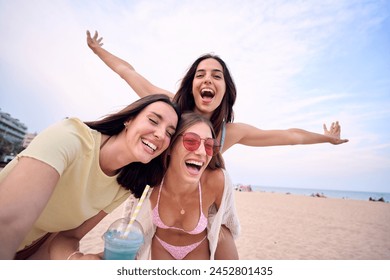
<point>238,128</point>
<point>234,134</point>
<point>213,176</point>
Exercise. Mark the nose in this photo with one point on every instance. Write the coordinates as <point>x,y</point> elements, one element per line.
<point>159,133</point>
<point>201,149</point>
<point>207,79</point>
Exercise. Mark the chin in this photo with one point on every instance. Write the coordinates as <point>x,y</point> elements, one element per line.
<point>146,160</point>
<point>193,178</point>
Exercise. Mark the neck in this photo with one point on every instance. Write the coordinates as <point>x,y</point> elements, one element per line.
<point>203,113</point>
<point>174,183</point>
<point>111,157</point>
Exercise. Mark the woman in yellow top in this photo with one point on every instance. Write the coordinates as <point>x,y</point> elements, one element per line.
<point>74,173</point>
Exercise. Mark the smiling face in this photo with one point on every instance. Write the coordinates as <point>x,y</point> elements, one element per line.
<point>150,132</point>
<point>208,86</point>
<point>190,164</point>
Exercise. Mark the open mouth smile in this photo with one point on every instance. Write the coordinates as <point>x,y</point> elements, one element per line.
<point>150,145</point>
<point>192,164</point>
<point>207,93</point>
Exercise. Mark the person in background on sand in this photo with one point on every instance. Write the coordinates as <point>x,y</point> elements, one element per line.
<point>74,173</point>
<point>208,88</point>
<point>175,217</point>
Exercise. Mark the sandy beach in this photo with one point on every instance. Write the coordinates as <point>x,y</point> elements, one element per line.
<point>293,227</point>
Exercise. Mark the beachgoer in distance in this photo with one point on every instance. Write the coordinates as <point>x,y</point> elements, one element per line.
<point>74,173</point>
<point>175,217</point>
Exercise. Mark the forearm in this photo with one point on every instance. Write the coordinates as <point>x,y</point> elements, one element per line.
<point>12,231</point>
<point>251,136</point>
<point>115,63</point>
<point>126,71</point>
<point>8,243</point>
<point>24,191</point>
<point>67,242</point>
<point>62,246</point>
<point>303,137</point>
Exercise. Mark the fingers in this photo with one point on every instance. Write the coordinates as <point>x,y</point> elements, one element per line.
<point>336,127</point>
<point>95,38</point>
<point>92,40</point>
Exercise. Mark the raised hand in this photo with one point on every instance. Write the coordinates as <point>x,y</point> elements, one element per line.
<point>334,132</point>
<point>94,42</point>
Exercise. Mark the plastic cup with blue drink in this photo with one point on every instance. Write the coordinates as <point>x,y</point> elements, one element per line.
<point>124,237</point>
<point>122,244</point>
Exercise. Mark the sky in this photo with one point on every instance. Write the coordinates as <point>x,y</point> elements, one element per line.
<point>296,64</point>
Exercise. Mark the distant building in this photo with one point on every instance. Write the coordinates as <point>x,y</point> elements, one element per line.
<point>12,130</point>
<point>28,138</point>
<point>12,133</point>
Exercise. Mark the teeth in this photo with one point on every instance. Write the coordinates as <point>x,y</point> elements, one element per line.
<point>149,144</point>
<point>207,90</point>
<point>198,163</point>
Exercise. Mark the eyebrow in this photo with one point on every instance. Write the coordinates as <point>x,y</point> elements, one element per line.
<point>213,70</point>
<point>162,118</point>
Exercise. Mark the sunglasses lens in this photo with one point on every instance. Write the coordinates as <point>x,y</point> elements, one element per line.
<point>209,145</point>
<point>191,141</point>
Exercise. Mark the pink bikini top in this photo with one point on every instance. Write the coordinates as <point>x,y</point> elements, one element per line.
<point>202,223</point>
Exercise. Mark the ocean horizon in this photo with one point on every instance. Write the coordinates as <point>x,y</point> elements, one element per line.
<point>343,194</point>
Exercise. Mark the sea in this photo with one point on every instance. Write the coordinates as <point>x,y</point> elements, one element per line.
<point>357,195</point>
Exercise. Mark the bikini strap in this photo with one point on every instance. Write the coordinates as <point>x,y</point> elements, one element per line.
<point>200,198</point>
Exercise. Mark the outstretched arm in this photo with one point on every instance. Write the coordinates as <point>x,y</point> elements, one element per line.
<point>24,193</point>
<point>126,71</point>
<point>239,133</point>
<point>66,243</point>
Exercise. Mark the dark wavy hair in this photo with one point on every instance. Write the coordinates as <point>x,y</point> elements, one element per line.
<point>185,99</point>
<point>187,120</point>
<point>135,176</point>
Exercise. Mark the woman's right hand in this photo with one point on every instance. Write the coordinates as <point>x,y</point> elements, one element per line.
<point>94,42</point>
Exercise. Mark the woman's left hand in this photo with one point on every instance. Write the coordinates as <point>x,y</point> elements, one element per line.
<point>334,133</point>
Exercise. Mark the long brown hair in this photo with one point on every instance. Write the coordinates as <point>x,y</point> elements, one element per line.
<point>134,176</point>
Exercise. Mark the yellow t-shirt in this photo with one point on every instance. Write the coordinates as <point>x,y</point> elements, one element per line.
<point>83,190</point>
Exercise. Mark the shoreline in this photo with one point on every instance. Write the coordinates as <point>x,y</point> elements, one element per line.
<point>318,195</point>
<point>328,193</point>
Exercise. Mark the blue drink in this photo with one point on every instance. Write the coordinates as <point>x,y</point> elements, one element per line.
<point>119,247</point>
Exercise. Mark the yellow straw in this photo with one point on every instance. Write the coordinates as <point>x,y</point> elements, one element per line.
<point>137,208</point>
